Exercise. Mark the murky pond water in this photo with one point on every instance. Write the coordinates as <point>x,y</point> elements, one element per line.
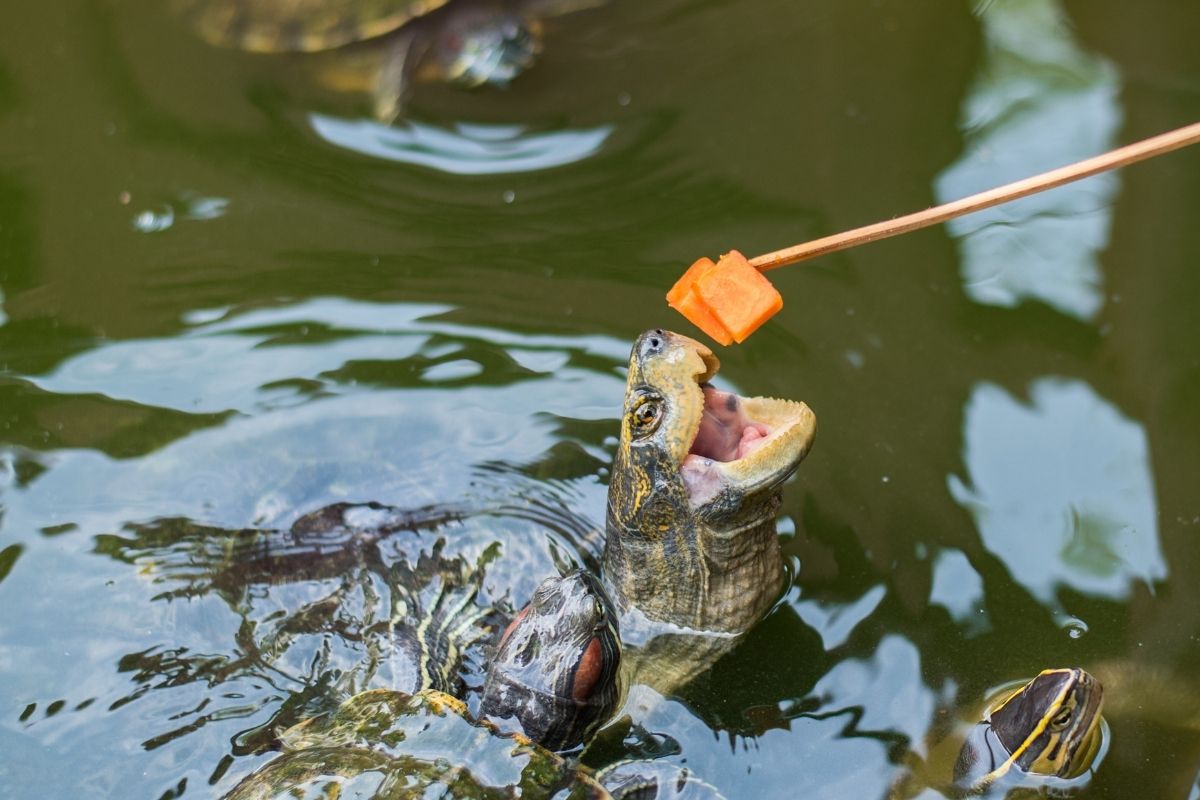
<point>227,297</point>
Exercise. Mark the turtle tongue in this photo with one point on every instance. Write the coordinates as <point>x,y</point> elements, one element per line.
<point>726,433</point>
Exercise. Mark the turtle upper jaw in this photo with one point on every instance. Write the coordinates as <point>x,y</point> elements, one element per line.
<point>744,446</point>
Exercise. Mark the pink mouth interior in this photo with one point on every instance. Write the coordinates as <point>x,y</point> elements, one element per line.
<point>726,434</point>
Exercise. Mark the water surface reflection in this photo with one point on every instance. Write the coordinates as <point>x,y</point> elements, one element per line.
<point>1039,102</point>
<point>466,149</point>
<point>1061,490</point>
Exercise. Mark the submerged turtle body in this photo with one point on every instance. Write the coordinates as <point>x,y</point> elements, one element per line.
<point>421,743</point>
<point>360,597</point>
<point>383,743</point>
<point>386,744</point>
<point>470,42</point>
<point>554,673</point>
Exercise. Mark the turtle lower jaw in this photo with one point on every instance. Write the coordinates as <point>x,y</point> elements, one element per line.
<point>746,445</point>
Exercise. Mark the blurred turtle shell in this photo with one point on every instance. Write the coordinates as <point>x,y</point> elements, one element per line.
<point>469,42</point>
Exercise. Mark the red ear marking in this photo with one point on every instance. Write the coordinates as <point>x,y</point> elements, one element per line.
<point>512,626</point>
<point>587,671</point>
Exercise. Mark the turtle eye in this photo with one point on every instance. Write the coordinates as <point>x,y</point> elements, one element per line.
<point>646,414</point>
<point>1061,719</point>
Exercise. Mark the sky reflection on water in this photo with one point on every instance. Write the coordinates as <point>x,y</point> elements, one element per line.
<point>836,621</point>
<point>1039,102</point>
<point>860,709</point>
<point>958,588</point>
<point>359,412</point>
<point>277,348</point>
<point>1061,489</point>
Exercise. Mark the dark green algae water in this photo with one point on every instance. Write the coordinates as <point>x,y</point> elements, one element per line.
<point>226,297</point>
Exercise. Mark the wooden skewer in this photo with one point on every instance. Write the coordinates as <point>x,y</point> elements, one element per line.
<point>1113,159</point>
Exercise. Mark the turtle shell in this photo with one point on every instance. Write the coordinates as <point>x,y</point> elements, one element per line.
<point>382,743</point>
<point>294,26</point>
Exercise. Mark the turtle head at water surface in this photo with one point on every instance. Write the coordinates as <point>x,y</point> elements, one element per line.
<point>556,667</point>
<point>695,487</point>
<point>1051,727</point>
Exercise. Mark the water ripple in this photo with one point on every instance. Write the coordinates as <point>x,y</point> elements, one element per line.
<point>467,149</point>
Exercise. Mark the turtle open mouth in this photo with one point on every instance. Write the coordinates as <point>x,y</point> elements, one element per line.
<point>726,448</point>
<point>726,432</point>
<point>748,444</point>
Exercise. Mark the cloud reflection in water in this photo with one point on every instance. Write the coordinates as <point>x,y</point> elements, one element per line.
<point>958,588</point>
<point>326,399</point>
<point>1061,489</point>
<point>836,621</point>
<point>465,150</point>
<point>1039,102</point>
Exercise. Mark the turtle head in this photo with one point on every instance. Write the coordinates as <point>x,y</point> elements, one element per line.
<point>481,42</point>
<point>556,665</point>
<point>476,43</point>
<point>696,477</point>
<point>1052,725</point>
<point>707,450</point>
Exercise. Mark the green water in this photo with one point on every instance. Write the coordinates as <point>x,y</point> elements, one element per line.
<point>227,297</point>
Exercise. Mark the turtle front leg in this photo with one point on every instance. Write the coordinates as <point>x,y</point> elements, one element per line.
<point>405,51</point>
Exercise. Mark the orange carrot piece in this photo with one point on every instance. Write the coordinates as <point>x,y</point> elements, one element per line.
<point>684,284</point>
<point>684,299</point>
<point>737,295</point>
<point>699,314</point>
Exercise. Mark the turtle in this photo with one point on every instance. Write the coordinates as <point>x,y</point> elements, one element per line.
<point>361,597</point>
<point>691,554</point>
<point>689,544</point>
<point>1036,737</point>
<point>555,670</point>
<point>467,42</point>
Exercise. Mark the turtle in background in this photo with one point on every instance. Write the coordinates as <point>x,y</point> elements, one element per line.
<point>1045,737</point>
<point>395,42</point>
